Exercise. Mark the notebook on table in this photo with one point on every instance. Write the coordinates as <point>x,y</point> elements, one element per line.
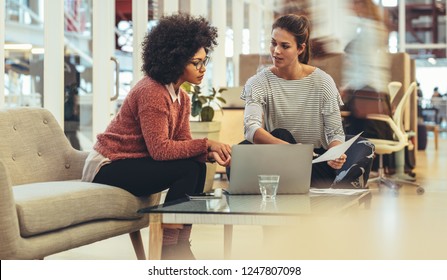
<point>292,162</point>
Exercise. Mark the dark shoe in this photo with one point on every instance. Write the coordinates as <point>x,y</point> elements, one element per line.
<point>181,251</point>
<point>350,179</point>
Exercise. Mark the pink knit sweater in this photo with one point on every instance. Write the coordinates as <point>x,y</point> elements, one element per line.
<point>150,124</point>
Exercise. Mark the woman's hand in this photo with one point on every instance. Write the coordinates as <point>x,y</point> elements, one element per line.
<point>337,163</point>
<point>223,150</point>
<point>215,156</point>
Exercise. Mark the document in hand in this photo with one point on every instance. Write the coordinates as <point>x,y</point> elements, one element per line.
<point>337,151</point>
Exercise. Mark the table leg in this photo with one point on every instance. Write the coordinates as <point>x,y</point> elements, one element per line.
<point>228,240</point>
<point>436,132</point>
<point>366,200</point>
<point>155,237</point>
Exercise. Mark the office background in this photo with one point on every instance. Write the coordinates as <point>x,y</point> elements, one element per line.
<point>51,44</point>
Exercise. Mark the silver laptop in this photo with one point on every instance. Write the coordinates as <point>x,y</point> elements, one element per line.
<point>292,162</point>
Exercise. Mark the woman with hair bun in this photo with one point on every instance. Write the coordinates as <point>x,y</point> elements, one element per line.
<point>293,102</point>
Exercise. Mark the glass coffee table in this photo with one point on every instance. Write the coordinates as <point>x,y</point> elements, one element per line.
<point>230,210</point>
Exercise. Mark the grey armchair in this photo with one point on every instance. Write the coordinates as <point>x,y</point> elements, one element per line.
<point>44,208</point>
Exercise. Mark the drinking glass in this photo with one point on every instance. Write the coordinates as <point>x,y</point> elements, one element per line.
<point>268,185</point>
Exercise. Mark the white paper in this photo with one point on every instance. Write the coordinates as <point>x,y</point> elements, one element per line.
<point>314,191</point>
<point>202,196</point>
<point>337,151</point>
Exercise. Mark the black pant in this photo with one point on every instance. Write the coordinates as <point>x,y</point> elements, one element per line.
<point>146,176</point>
<point>353,174</point>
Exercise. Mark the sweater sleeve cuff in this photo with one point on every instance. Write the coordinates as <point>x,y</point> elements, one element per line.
<point>202,157</point>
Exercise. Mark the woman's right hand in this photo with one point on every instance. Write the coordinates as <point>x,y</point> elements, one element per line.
<point>215,156</point>
<point>223,150</point>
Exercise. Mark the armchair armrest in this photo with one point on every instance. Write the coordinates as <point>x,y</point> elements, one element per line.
<point>9,229</point>
<point>77,161</point>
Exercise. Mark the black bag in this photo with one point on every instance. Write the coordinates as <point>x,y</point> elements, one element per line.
<point>367,101</point>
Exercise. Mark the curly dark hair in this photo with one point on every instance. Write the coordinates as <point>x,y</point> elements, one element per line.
<point>170,45</point>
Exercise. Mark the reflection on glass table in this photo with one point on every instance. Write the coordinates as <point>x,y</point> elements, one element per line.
<point>232,210</point>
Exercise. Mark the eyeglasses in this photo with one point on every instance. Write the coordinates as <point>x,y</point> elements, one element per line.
<point>200,63</point>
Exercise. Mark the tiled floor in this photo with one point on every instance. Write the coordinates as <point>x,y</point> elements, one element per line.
<point>407,226</point>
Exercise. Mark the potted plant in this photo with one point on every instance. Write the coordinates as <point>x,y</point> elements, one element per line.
<point>201,104</point>
<point>202,107</point>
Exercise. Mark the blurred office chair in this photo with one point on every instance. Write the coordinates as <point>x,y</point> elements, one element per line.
<point>400,141</point>
<point>393,89</point>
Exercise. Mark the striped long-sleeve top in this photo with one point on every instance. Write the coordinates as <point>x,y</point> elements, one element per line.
<point>309,107</point>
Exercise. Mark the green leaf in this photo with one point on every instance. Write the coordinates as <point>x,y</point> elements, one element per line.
<point>196,108</point>
<point>186,86</point>
<point>194,98</point>
<point>221,100</point>
<point>201,101</point>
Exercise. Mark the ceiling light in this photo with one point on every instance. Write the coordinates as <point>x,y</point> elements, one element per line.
<point>18,46</point>
<point>432,60</point>
<point>37,50</point>
<point>389,3</point>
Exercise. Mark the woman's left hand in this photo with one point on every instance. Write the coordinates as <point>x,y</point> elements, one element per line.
<point>337,163</point>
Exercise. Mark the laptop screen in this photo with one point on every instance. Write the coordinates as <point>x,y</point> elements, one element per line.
<point>292,162</point>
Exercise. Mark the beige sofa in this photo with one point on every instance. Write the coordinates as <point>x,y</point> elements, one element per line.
<point>44,208</point>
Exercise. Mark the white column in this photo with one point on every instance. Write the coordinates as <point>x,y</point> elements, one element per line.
<point>219,15</point>
<point>53,92</point>
<point>402,25</point>
<point>445,25</point>
<point>103,68</point>
<point>170,7</point>
<point>140,19</point>
<point>2,54</point>
<point>238,25</point>
<point>199,7</point>
<point>268,21</point>
<point>254,26</point>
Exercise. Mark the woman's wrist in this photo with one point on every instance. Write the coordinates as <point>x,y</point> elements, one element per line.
<point>210,158</point>
<point>208,145</point>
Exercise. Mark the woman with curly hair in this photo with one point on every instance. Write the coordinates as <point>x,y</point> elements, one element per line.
<point>148,147</point>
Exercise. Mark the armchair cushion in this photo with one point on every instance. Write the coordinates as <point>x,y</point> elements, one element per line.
<point>43,207</point>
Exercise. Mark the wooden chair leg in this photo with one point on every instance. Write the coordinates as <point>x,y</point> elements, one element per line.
<point>137,243</point>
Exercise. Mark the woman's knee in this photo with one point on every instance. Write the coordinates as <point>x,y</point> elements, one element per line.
<point>283,134</point>
<point>367,145</point>
<point>192,167</point>
<point>361,146</point>
<point>190,178</point>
